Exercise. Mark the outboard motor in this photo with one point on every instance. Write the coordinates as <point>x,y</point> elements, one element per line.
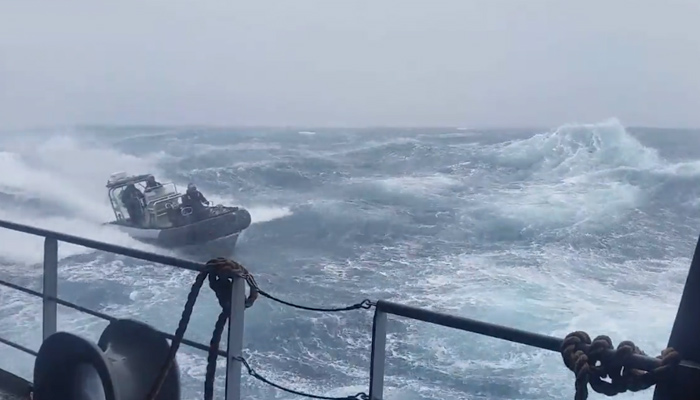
<point>122,366</point>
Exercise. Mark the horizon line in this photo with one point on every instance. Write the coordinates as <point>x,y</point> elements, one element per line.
<point>311,127</point>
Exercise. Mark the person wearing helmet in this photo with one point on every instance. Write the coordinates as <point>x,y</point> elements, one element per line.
<point>195,199</point>
<point>152,183</point>
<point>132,198</point>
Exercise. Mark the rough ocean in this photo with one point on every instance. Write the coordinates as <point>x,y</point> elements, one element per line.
<point>579,227</point>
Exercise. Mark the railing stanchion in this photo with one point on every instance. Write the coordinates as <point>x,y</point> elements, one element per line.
<point>378,357</point>
<point>50,287</point>
<point>235,340</point>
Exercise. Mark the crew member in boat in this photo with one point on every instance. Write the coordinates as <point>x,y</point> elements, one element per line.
<point>195,199</point>
<point>133,199</point>
<point>152,183</point>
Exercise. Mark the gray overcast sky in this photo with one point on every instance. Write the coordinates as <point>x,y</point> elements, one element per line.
<point>350,62</point>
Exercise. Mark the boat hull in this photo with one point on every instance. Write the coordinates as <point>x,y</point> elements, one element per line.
<point>220,231</point>
<point>221,247</point>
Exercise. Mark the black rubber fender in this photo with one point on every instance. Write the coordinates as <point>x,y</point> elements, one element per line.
<point>243,218</point>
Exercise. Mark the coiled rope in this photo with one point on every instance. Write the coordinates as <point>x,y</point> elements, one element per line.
<point>588,361</point>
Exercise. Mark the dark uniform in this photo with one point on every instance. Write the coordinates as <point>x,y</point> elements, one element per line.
<point>195,199</point>
<point>152,183</point>
<point>132,199</point>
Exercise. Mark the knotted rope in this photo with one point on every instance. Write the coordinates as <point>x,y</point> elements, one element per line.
<point>589,362</point>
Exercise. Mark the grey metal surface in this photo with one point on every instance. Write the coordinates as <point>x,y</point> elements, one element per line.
<point>11,385</point>
<point>235,340</point>
<point>8,396</point>
<point>684,338</point>
<point>378,357</point>
<point>50,290</point>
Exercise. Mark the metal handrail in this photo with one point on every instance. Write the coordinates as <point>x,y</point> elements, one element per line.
<point>106,317</point>
<point>138,254</point>
<point>111,248</point>
<point>51,299</point>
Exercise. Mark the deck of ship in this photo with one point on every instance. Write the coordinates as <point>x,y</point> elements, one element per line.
<point>5,395</point>
<point>13,387</point>
<point>684,335</point>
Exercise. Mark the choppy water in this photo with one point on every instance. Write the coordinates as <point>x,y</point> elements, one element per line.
<point>582,227</point>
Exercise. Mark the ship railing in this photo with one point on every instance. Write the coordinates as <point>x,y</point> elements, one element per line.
<point>683,338</point>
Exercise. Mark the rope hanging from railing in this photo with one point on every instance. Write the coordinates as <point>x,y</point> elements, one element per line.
<point>251,372</point>
<point>585,358</point>
<point>221,272</point>
<point>364,304</point>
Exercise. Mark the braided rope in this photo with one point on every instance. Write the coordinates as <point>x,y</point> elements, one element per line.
<point>587,360</point>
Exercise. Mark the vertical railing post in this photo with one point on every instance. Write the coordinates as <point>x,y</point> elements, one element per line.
<point>378,357</point>
<point>235,340</point>
<point>50,289</point>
